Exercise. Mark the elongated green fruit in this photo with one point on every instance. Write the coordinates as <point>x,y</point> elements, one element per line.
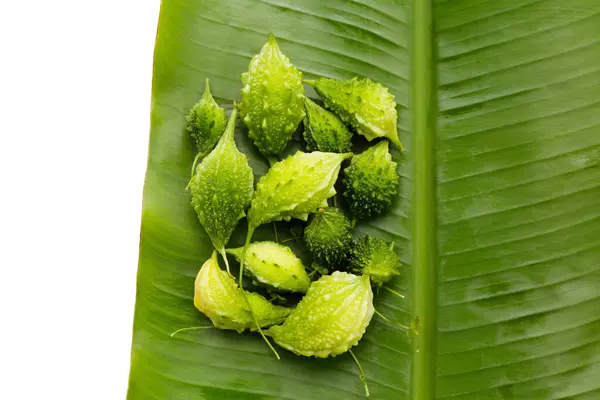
<point>206,122</point>
<point>295,187</point>
<point>222,189</point>
<point>274,265</point>
<point>365,105</point>
<point>371,182</point>
<point>217,296</point>
<point>324,131</point>
<point>330,319</point>
<point>272,99</point>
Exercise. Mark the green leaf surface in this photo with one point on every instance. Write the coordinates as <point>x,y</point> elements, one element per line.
<point>497,222</point>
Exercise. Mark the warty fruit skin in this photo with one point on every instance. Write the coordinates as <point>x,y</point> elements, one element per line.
<point>367,106</point>
<point>274,265</point>
<point>295,187</point>
<point>324,131</point>
<point>217,295</point>
<point>374,257</point>
<point>328,237</point>
<point>371,182</point>
<point>330,319</point>
<point>272,99</point>
<point>206,122</point>
<point>222,186</point>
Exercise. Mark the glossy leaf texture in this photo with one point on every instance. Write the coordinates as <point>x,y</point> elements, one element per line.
<point>503,123</point>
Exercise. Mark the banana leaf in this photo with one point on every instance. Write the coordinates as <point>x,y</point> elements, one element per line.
<point>497,222</point>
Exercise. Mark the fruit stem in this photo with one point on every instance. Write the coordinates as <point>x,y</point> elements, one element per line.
<point>224,255</point>
<point>386,319</point>
<point>191,328</point>
<point>242,261</point>
<point>363,377</point>
<point>198,157</point>
<point>243,258</point>
<point>393,291</point>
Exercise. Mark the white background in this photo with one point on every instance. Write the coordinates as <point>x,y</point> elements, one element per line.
<point>75,84</point>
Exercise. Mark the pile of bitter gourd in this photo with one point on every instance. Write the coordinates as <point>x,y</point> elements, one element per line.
<point>336,309</point>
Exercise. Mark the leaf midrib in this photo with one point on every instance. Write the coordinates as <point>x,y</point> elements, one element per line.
<point>424,245</point>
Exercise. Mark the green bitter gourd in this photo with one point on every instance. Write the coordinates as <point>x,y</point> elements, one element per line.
<point>272,99</point>
<point>206,122</point>
<point>274,265</point>
<point>371,182</point>
<point>324,131</point>
<point>330,319</point>
<point>374,257</point>
<point>222,188</point>
<point>217,295</point>
<point>365,105</point>
<point>328,237</point>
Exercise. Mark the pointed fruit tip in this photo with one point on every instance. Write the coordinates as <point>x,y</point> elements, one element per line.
<point>234,112</point>
<point>384,145</point>
<point>230,128</point>
<point>272,42</point>
<point>398,144</point>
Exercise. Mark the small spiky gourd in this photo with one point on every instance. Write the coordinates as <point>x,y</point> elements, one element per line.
<point>371,182</point>
<point>328,237</point>
<point>206,122</point>
<point>272,99</point>
<point>374,257</point>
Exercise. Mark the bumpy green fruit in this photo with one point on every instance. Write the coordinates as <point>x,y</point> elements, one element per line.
<point>295,187</point>
<point>272,99</point>
<point>218,297</point>
<point>324,131</point>
<point>371,181</point>
<point>330,319</point>
<point>374,257</point>
<point>222,188</point>
<point>206,122</point>
<point>328,236</point>
<point>274,265</point>
<point>365,105</point>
